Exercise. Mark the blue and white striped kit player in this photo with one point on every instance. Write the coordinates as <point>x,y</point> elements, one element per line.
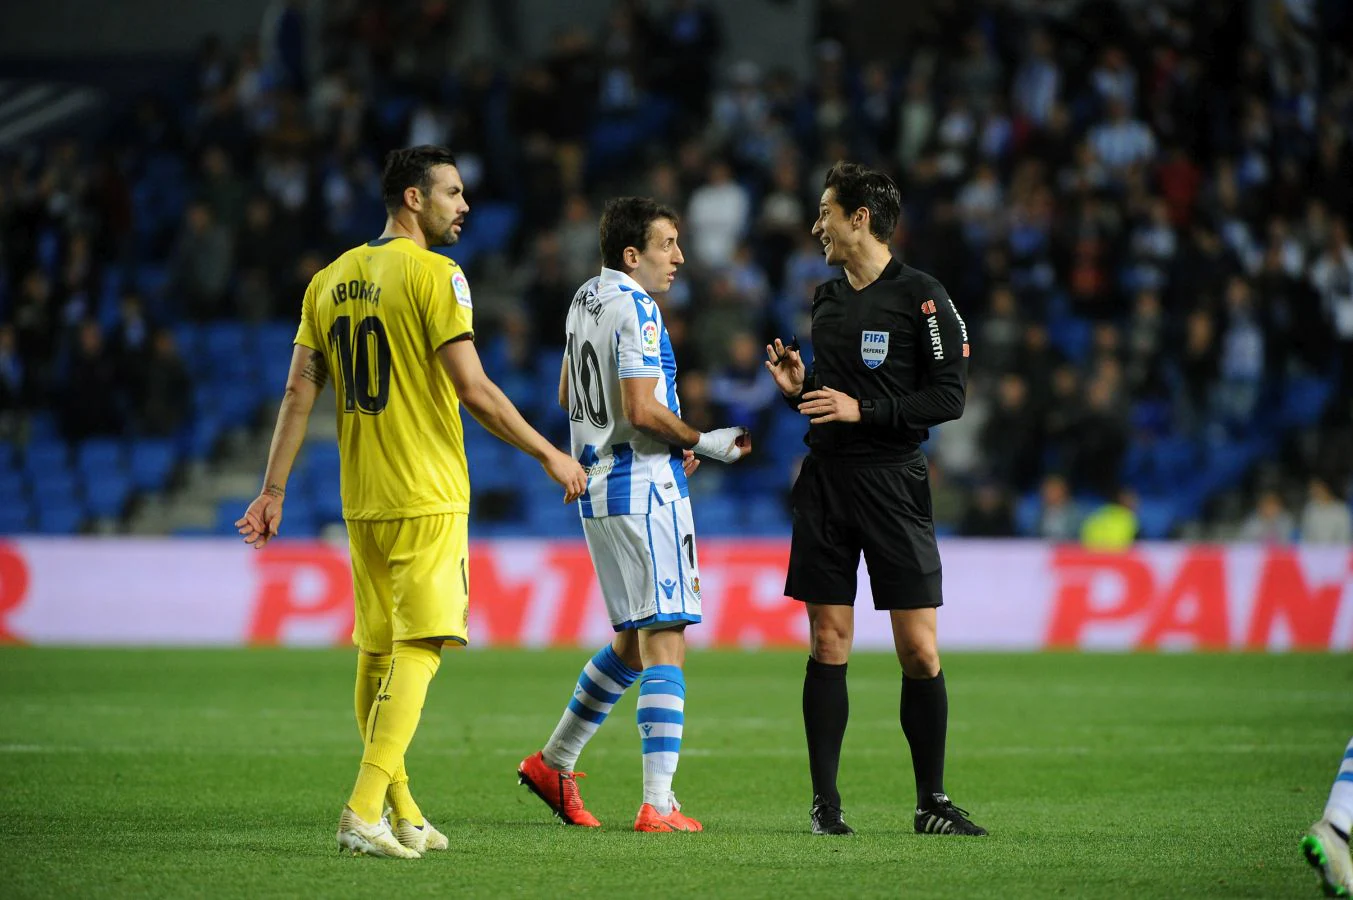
<point>636,511</point>
<point>618,385</point>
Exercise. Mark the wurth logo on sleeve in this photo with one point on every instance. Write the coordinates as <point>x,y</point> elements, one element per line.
<point>936,344</point>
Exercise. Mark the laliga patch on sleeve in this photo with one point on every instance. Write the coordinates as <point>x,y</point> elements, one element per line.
<point>649,334</point>
<point>461,285</point>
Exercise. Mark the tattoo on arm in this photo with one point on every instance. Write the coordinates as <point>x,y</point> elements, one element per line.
<point>275,490</point>
<point>315,370</point>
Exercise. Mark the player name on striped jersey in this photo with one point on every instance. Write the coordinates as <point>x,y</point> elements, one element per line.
<point>615,331</point>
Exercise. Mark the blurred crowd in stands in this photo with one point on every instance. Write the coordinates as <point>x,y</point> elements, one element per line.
<point>1142,208</point>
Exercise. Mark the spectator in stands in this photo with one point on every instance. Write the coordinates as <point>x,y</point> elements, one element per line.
<point>1242,357</point>
<point>36,328</point>
<point>1011,438</point>
<point>224,192</point>
<point>131,339</point>
<point>738,388</point>
<point>91,396</point>
<point>202,265</point>
<point>164,396</point>
<point>988,513</point>
<point>957,446</point>
<point>1325,519</point>
<point>1099,441</point>
<point>717,217</point>
<point>1112,525</point>
<point>1332,278</point>
<point>1270,523</point>
<point>1059,519</point>
<point>13,387</point>
<point>1198,365</point>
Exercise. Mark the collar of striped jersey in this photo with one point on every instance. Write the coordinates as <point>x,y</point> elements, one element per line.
<point>617,277</point>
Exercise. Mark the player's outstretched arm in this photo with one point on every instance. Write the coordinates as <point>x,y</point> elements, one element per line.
<point>644,412</point>
<point>305,379</point>
<point>491,407</point>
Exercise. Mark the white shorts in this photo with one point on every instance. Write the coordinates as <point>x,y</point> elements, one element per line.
<point>647,566</point>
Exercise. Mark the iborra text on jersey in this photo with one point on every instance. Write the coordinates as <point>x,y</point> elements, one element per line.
<point>356,290</point>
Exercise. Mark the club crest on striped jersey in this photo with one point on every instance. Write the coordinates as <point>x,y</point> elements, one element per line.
<point>873,348</point>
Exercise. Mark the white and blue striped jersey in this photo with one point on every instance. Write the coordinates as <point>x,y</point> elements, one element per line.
<point>615,331</point>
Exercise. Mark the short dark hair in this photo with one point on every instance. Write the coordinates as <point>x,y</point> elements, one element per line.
<point>411,167</point>
<point>625,222</point>
<point>860,186</point>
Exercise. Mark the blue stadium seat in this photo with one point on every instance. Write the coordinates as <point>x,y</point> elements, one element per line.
<point>13,486</point>
<point>322,456</point>
<point>45,455</point>
<point>224,340</point>
<point>42,426</point>
<point>188,337</point>
<point>765,516</point>
<point>98,455</point>
<point>151,462</point>
<point>9,456</point>
<point>14,517</point>
<point>230,509</point>
<point>546,516</point>
<point>106,495</point>
<point>327,505</point>
<point>57,486</point>
<point>59,518</point>
<point>717,515</point>
<point>1028,510</point>
<point>235,403</point>
<point>1155,518</point>
<point>200,437</point>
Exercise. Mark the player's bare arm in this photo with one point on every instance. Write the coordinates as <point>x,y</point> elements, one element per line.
<point>644,412</point>
<point>492,409</point>
<point>306,377</point>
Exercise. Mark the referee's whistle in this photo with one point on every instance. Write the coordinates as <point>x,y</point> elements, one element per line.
<point>792,345</point>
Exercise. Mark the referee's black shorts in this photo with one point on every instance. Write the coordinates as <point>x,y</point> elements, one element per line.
<point>842,509</point>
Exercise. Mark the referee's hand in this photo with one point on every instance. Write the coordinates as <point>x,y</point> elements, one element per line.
<point>786,366</point>
<point>827,405</point>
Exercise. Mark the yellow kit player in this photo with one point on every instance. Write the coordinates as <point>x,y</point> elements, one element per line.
<point>391,321</point>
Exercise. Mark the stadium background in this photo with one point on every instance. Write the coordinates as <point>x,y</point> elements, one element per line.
<point>1141,209</point>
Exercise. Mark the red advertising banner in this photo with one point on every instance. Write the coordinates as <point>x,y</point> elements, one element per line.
<point>1003,595</point>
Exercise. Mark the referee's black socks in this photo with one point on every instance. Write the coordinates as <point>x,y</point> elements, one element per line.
<point>925,720</point>
<point>826,707</point>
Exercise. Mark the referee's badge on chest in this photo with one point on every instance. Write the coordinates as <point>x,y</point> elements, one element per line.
<point>873,348</point>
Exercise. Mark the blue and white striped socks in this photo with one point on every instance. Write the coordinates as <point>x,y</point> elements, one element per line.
<point>603,679</point>
<point>661,715</point>
<point>1339,809</point>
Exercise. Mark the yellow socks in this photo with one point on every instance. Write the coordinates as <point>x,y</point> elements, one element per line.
<point>371,670</point>
<point>391,724</point>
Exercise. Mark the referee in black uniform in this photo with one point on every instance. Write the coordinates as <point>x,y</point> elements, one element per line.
<point>890,361</point>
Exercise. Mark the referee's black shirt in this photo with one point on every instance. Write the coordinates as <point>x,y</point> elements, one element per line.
<point>899,347</point>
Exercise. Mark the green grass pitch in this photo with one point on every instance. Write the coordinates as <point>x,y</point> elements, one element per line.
<point>221,774</point>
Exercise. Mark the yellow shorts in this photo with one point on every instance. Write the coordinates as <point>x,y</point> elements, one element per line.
<point>410,580</point>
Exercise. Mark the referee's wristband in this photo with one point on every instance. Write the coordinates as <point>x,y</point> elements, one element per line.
<point>868,411</point>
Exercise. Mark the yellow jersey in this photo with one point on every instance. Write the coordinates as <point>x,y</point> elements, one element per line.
<point>378,313</point>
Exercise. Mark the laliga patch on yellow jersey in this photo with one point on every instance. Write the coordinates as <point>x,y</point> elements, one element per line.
<point>461,285</point>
